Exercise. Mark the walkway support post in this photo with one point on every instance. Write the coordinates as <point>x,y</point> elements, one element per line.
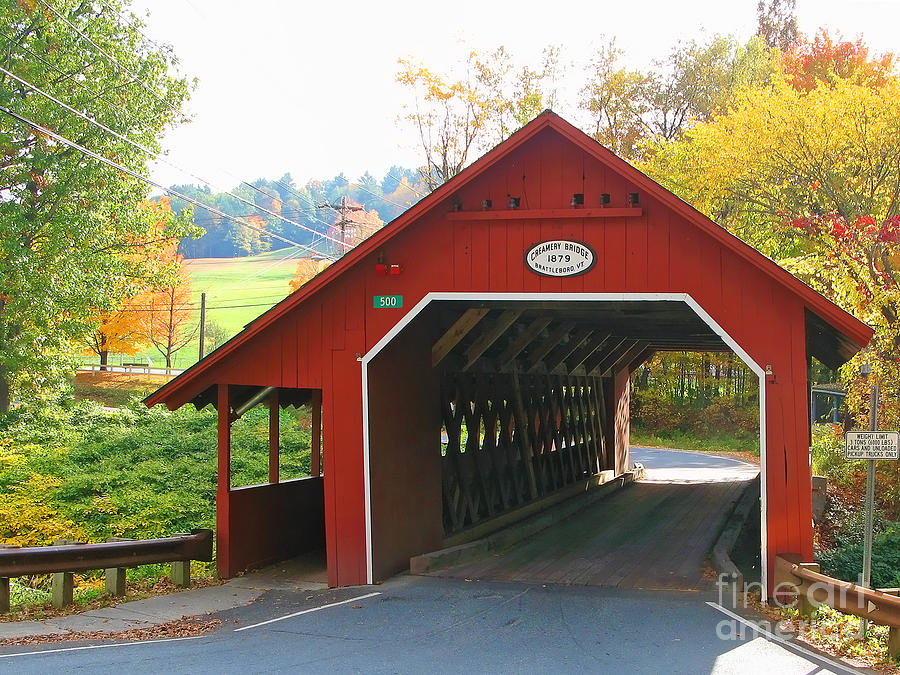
<point>274,436</point>
<point>223,491</point>
<point>315,454</point>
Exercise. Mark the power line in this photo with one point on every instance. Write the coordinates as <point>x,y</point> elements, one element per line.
<point>68,76</point>
<point>131,117</point>
<point>288,187</point>
<point>159,157</point>
<point>407,184</point>
<point>133,24</point>
<point>289,258</point>
<point>133,174</point>
<point>168,104</point>
<point>359,186</point>
<point>150,153</point>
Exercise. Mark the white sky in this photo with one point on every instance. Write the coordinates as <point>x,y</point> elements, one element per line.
<point>288,85</point>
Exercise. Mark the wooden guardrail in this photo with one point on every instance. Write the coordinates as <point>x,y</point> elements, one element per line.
<point>814,588</point>
<point>114,556</point>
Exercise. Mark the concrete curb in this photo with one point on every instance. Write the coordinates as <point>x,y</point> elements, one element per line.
<point>454,555</point>
<point>721,552</point>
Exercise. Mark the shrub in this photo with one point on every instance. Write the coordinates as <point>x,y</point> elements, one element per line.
<point>845,561</point>
<point>86,473</point>
<point>828,455</point>
<point>724,416</point>
<point>655,412</point>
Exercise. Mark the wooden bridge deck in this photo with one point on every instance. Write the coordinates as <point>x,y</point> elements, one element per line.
<point>656,534</point>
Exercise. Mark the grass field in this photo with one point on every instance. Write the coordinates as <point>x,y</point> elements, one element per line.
<point>237,291</point>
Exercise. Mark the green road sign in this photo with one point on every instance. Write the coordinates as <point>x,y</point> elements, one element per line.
<point>387,301</point>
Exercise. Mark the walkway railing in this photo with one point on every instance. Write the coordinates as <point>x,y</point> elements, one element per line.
<point>814,588</point>
<point>114,556</point>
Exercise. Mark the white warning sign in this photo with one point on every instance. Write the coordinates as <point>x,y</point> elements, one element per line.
<point>872,445</point>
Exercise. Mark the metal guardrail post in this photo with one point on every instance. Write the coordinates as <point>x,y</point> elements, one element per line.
<point>4,585</point>
<point>893,643</point>
<point>115,576</point>
<point>180,572</point>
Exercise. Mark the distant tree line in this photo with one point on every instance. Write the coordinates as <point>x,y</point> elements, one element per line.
<point>282,200</point>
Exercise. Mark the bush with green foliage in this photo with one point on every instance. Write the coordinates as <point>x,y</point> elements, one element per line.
<point>721,422</point>
<point>845,561</point>
<point>88,473</point>
<point>828,454</point>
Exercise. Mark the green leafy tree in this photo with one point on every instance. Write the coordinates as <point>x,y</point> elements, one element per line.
<point>627,107</point>
<point>74,238</point>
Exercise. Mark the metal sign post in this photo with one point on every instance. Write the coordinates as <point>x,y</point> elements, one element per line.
<point>870,505</point>
<point>871,445</point>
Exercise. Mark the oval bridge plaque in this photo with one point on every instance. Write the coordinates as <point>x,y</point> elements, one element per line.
<point>560,258</point>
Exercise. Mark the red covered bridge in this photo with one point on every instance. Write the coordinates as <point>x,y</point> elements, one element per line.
<point>505,312</point>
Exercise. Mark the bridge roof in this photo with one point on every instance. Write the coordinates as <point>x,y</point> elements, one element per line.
<point>833,334</point>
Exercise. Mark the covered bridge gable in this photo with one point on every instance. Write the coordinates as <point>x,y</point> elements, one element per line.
<point>450,242</point>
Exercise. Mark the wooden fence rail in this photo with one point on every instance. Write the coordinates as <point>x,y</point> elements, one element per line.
<point>114,556</point>
<point>143,370</point>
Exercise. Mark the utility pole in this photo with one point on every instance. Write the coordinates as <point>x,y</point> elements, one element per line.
<point>202,324</point>
<point>342,209</point>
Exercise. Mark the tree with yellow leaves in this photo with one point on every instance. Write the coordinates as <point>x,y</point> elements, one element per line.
<point>811,175</point>
<point>456,118</point>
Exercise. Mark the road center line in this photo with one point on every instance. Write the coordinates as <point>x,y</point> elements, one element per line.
<point>777,638</point>
<point>83,647</point>
<point>306,611</point>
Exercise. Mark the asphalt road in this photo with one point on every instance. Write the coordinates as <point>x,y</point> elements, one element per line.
<point>423,624</point>
<point>428,624</point>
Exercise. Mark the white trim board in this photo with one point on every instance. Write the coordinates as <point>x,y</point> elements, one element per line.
<point>551,297</point>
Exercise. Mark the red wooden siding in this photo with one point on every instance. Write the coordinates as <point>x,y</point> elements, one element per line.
<point>316,339</point>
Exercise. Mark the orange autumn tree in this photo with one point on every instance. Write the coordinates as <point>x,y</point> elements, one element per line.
<point>170,313</point>
<point>307,268</point>
<point>125,331</point>
<point>824,59</point>
<point>121,332</point>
